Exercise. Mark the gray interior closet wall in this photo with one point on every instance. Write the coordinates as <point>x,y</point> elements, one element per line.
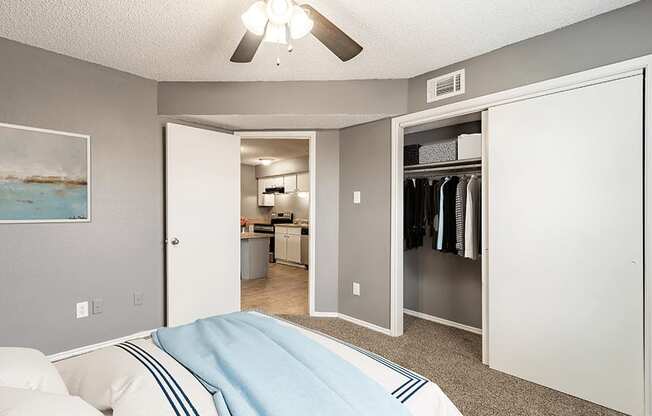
<point>438,284</point>
<point>365,227</point>
<point>47,268</point>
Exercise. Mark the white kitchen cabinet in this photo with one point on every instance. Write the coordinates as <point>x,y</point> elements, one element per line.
<point>280,244</point>
<point>303,182</point>
<point>275,182</point>
<point>290,183</point>
<point>293,248</point>
<point>265,200</point>
<point>287,244</point>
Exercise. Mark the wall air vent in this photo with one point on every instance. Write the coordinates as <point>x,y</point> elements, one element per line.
<point>445,86</point>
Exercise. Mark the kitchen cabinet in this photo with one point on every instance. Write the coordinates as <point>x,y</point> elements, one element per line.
<point>265,200</point>
<point>287,244</point>
<point>303,182</point>
<point>290,183</point>
<point>275,182</point>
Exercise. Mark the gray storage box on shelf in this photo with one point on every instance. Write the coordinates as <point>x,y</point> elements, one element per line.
<point>438,152</point>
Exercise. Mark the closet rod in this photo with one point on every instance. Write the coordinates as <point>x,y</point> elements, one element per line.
<point>446,168</point>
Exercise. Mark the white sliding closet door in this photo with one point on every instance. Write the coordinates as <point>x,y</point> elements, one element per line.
<point>566,242</point>
<point>203,223</point>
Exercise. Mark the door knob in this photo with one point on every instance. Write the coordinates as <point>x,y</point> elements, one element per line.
<point>175,241</point>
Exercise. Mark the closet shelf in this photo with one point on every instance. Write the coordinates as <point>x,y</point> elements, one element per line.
<point>448,165</point>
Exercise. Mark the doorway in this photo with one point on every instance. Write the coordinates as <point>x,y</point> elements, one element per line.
<point>277,221</point>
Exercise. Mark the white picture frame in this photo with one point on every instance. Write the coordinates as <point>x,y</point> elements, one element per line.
<point>81,180</point>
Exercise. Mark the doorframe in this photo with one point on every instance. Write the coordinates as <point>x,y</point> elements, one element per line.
<point>311,136</point>
<point>584,78</point>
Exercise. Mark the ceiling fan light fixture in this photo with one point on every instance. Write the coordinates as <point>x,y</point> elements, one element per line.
<point>279,11</point>
<point>255,18</point>
<point>300,23</point>
<point>276,33</point>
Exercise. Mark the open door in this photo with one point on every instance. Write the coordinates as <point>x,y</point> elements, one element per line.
<point>202,233</point>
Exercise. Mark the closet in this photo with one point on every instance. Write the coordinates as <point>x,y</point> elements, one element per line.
<point>558,288</point>
<point>442,276</point>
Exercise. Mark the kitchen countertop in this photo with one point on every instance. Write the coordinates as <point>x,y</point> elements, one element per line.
<point>248,236</point>
<point>293,225</point>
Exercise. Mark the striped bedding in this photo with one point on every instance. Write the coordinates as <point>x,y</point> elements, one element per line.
<point>136,378</point>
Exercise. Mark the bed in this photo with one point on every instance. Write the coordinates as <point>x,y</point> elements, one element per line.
<point>140,378</point>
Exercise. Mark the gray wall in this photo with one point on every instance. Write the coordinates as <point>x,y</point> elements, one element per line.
<point>327,212</point>
<point>443,285</point>
<point>47,268</point>
<point>612,37</point>
<point>289,97</point>
<point>249,194</point>
<point>284,167</point>
<point>365,227</point>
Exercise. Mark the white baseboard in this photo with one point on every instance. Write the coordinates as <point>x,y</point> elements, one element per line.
<point>88,348</point>
<point>442,321</point>
<point>316,314</point>
<point>365,324</point>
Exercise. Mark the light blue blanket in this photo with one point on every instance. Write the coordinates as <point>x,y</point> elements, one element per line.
<point>253,365</point>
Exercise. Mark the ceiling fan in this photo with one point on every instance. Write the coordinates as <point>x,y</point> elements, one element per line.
<point>280,21</point>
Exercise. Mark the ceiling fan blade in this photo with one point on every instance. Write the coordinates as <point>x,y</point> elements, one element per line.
<point>331,36</point>
<point>247,48</point>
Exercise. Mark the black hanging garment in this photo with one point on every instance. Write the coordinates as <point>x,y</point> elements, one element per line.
<point>450,235</point>
<point>409,192</point>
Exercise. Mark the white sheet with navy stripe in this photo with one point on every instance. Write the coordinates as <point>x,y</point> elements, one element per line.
<point>421,396</point>
<point>137,378</point>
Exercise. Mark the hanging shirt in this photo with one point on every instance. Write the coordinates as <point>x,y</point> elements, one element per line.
<point>440,225</point>
<point>472,219</point>
<point>460,214</point>
<point>409,192</point>
<point>448,240</point>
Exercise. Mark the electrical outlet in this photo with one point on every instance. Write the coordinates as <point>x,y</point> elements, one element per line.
<point>356,289</point>
<point>98,306</point>
<point>139,298</point>
<point>82,309</point>
<point>356,197</point>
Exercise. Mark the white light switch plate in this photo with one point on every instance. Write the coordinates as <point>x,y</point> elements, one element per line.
<point>82,310</point>
<point>356,197</point>
<point>356,289</point>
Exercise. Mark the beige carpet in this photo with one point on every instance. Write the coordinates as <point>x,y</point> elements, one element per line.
<point>452,359</point>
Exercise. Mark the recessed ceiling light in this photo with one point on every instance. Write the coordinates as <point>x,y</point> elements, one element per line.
<point>265,161</point>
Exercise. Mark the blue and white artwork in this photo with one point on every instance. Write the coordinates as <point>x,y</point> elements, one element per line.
<point>44,175</point>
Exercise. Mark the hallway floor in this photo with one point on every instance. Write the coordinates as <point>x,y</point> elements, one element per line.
<point>283,292</point>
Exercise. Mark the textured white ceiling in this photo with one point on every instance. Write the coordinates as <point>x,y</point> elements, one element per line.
<point>283,121</point>
<point>278,149</point>
<point>190,40</point>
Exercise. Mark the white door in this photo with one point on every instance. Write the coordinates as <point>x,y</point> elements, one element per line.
<point>566,242</point>
<point>203,229</point>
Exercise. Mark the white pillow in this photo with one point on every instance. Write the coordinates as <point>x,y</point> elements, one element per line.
<point>136,379</point>
<point>25,368</point>
<point>24,402</point>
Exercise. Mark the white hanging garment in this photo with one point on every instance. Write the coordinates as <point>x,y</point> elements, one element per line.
<point>472,219</point>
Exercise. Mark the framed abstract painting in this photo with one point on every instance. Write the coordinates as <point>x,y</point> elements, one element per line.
<point>44,175</point>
